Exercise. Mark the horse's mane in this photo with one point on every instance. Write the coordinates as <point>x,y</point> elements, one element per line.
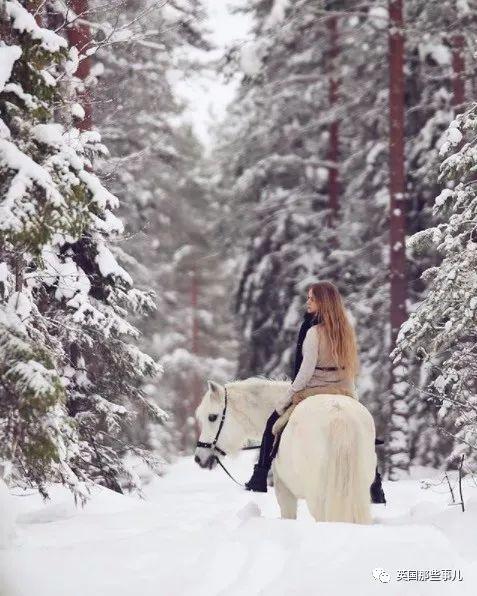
<point>253,385</point>
<point>261,380</point>
<point>246,396</point>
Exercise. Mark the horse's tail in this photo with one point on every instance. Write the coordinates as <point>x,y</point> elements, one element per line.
<point>346,495</point>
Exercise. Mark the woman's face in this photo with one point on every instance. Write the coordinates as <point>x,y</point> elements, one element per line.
<point>311,303</point>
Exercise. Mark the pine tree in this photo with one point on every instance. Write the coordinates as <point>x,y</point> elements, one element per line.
<point>442,330</point>
<point>276,156</point>
<point>71,374</point>
<point>365,222</point>
<point>363,258</point>
<point>292,46</point>
<point>158,170</point>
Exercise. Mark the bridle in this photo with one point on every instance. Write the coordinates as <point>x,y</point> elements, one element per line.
<point>213,444</point>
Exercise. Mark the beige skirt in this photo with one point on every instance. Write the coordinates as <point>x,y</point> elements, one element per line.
<point>301,395</point>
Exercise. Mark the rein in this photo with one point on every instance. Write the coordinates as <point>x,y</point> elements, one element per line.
<point>215,448</point>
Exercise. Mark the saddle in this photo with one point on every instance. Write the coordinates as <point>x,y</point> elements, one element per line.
<point>281,422</point>
<point>299,396</point>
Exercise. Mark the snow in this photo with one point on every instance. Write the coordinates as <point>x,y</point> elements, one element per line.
<point>30,101</point>
<point>440,384</point>
<point>443,196</point>
<point>8,56</point>
<point>97,70</point>
<point>454,135</point>
<point>4,130</point>
<point>20,304</point>
<point>101,196</point>
<point>33,376</point>
<point>50,134</point>
<point>171,14</point>
<point>109,266</point>
<point>207,97</point>
<point>28,172</point>
<point>7,518</point>
<point>109,223</point>
<point>48,78</point>
<point>277,14</point>
<point>69,279</point>
<point>439,52</point>
<point>197,533</point>
<point>77,111</point>
<point>24,21</point>
<point>3,273</point>
<point>463,7</point>
<point>451,138</point>
<point>119,34</point>
<point>379,16</point>
<point>250,62</point>
<point>377,148</point>
<point>71,64</point>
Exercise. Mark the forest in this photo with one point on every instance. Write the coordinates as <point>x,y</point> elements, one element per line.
<point>175,174</point>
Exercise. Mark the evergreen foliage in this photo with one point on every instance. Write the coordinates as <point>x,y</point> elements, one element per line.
<point>70,370</point>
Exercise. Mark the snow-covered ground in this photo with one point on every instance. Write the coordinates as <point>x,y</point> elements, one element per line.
<point>199,534</point>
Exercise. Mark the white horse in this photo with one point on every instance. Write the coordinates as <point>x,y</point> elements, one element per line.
<point>326,455</point>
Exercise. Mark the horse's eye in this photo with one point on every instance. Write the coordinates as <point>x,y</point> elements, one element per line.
<point>212,417</point>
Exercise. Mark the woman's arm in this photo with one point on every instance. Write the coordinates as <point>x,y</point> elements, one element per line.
<point>307,368</point>
<point>310,358</point>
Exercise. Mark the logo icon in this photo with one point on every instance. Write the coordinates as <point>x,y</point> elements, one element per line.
<point>381,575</point>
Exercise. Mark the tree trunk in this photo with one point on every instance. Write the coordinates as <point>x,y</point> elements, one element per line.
<point>458,67</point>
<point>333,153</point>
<point>194,305</point>
<point>398,449</point>
<point>195,380</point>
<point>79,36</point>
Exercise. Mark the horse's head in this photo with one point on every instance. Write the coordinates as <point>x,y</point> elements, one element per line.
<point>219,433</point>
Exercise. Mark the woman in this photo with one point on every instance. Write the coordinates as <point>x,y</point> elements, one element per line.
<point>329,364</point>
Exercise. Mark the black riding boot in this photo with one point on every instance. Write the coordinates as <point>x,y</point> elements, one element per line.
<point>376,490</point>
<point>258,481</point>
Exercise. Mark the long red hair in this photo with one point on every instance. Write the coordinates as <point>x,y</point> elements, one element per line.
<point>340,332</point>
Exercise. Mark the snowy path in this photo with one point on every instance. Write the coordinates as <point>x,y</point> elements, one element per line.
<point>199,534</point>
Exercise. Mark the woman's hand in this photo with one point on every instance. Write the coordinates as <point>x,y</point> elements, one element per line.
<point>283,404</point>
<point>296,399</point>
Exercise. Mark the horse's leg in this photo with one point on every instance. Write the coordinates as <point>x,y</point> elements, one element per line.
<point>286,499</point>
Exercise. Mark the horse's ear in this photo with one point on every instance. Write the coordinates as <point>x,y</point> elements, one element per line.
<point>215,389</point>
